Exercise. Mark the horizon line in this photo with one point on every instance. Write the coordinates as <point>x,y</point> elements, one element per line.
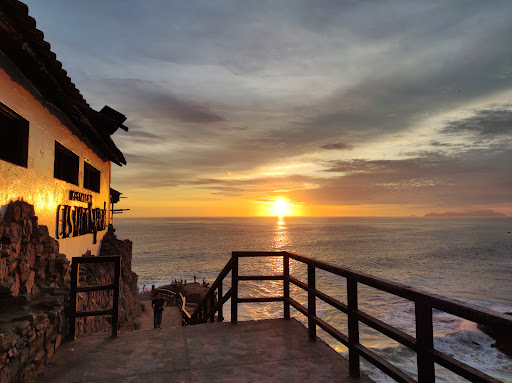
<point>315,216</point>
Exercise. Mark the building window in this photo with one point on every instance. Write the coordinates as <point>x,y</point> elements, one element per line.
<point>13,137</point>
<point>91,178</point>
<point>66,164</point>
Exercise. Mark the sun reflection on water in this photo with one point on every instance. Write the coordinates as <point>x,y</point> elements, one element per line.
<point>281,238</point>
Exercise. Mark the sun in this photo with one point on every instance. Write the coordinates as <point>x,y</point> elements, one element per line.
<point>280,207</point>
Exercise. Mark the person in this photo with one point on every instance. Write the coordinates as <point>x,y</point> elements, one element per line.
<point>204,282</point>
<point>195,278</point>
<point>158,307</point>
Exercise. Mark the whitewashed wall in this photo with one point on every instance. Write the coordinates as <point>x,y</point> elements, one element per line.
<point>36,184</point>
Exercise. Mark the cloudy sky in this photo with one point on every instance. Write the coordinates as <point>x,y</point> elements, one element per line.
<point>337,107</point>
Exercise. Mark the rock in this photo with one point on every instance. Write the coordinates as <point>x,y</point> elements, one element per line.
<point>23,328</point>
<point>58,341</point>
<point>2,227</point>
<point>15,232</point>
<point>30,253</point>
<point>50,351</point>
<point>41,265</point>
<point>50,302</point>
<point>8,254</point>
<point>30,318</point>
<point>7,342</point>
<point>16,246</point>
<point>502,336</point>
<point>34,277</point>
<point>51,266</point>
<point>10,287</point>
<point>29,284</point>
<point>13,266</point>
<point>39,249</point>
<point>27,228</point>
<point>13,212</point>
<point>3,268</point>
<point>13,351</point>
<point>15,301</point>
<point>23,271</point>
<point>39,356</point>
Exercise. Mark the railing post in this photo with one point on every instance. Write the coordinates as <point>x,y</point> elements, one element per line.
<point>234,288</point>
<point>212,306</point>
<point>353,329</point>
<point>205,312</point>
<point>286,285</point>
<point>73,298</point>
<point>115,300</point>
<point>425,342</point>
<point>311,303</point>
<point>220,318</point>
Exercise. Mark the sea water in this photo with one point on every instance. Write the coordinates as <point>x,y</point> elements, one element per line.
<point>469,259</point>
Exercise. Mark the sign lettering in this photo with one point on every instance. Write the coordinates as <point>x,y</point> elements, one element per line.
<point>82,197</point>
<point>74,221</point>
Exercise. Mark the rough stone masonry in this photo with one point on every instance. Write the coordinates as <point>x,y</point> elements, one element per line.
<point>34,293</point>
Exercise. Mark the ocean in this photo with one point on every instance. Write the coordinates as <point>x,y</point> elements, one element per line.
<point>469,259</point>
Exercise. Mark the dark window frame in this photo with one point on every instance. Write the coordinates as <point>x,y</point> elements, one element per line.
<point>14,135</point>
<point>66,165</point>
<point>92,178</point>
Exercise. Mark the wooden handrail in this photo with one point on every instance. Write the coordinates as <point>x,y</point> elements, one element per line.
<point>424,302</point>
<point>201,314</point>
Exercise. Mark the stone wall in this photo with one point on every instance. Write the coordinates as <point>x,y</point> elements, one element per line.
<point>102,274</point>
<point>34,293</point>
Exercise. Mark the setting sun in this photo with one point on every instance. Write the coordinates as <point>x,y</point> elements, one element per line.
<point>280,207</point>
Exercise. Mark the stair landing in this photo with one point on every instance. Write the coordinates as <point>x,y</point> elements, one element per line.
<point>275,350</point>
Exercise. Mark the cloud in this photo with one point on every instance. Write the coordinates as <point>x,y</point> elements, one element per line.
<point>143,98</point>
<point>488,123</point>
<point>437,143</point>
<point>338,146</point>
<point>142,135</point>
<point>210,87</point>
<point>470,177</point>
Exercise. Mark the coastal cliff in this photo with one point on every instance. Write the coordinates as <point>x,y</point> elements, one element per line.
<point>34,293</point>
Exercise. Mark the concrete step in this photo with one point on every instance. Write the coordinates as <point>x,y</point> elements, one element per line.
<point>256,351</point>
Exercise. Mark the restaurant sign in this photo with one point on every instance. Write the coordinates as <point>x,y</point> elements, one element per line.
<point>81,197</point>
<point>74,221</point>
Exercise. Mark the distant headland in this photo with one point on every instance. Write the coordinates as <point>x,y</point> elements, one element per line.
<point>472,213</point>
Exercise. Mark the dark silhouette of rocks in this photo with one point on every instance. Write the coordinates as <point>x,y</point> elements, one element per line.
<point>502,336</point>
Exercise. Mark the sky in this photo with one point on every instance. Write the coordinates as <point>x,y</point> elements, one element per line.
<point>337,108</point>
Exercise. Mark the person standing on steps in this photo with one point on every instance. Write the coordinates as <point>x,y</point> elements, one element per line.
<point>158,307</point>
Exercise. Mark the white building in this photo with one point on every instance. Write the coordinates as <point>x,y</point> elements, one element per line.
<point>55,150</point>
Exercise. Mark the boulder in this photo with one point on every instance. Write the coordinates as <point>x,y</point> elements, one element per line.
<point>3,268</point>
<point>502,336</point>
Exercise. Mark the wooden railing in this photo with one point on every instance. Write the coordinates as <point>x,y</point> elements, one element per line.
<point>205,311</point>
<point>422,344</point>
<point>176,298</point>
<point>75,289</point>
<point>167,295</point>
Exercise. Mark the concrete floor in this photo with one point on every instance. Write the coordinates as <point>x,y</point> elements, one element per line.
<point>171,317</point>
<point>257,351</point>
